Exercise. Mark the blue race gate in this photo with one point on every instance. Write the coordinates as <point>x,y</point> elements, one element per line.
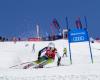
<point>78,35</point>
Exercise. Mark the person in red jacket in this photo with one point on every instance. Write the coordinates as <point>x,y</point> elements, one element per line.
<point>49,56</point>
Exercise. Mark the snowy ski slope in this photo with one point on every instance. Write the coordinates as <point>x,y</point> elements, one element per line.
<point>81,69</point>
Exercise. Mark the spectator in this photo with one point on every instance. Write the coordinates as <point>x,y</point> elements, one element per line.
<point>3,39</point>
<point>19,39</point>
<point>14,39</point>
<point>0,38</point>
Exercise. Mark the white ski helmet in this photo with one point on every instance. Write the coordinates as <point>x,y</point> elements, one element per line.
<point>51,45</point>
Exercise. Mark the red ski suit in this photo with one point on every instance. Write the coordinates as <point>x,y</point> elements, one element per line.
<point>51,53</point>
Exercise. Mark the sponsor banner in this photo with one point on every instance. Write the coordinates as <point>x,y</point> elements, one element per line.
<point>34,39</point>
<point>78,35</point>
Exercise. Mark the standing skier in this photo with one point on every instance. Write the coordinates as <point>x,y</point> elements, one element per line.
<point>65,52</point>
<point>33,48</point>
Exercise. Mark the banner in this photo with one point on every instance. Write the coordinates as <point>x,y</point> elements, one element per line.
<point>56,24</point>
<point>78,35</point>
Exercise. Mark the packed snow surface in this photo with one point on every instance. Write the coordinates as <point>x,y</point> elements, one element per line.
<point>12,53</point>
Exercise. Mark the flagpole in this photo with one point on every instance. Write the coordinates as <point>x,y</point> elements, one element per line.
<point>85,22</point>
<point>67,23</point>
<point>89,40</point>
<point>52,31</point>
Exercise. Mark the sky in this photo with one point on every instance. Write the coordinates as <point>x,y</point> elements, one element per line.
<point>20,17</point>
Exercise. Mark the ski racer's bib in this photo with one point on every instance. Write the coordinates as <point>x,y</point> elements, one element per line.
<point>51,53</point>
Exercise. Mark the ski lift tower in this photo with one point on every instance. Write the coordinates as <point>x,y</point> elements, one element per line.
<point>65,32</point>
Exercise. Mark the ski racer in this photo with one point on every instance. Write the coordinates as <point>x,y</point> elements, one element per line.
<point>49,56</point>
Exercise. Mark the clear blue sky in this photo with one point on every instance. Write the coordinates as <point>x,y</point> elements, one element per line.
<point>19,17</point>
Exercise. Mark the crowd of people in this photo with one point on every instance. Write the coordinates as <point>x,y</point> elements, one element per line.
<point>47,38</point>
<point>2,39</point>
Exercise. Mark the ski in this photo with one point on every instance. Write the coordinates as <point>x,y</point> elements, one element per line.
<point>35,65</point>
<point>15,66</point>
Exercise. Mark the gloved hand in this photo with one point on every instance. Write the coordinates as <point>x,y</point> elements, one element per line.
<point>38,57</point>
